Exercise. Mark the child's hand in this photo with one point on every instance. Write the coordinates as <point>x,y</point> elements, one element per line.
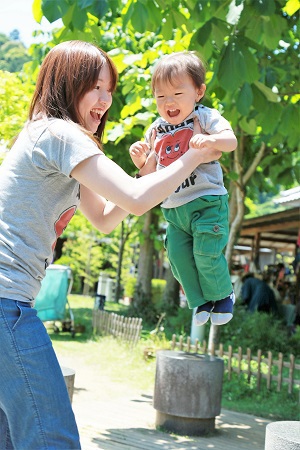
<point>200,140</point>
<point>204,142</point>
<point>138,152</point>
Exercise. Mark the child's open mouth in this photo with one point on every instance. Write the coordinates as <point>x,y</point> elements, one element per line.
<point>173,112</point>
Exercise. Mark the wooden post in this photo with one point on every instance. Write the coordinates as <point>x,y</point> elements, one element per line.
<point>280,369</point>
<point>258,369</point>
<point>229,361</point>
<point>269,375</point>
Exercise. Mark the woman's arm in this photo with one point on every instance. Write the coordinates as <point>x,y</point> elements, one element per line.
<point>102,214</point>
<point>104,177</point>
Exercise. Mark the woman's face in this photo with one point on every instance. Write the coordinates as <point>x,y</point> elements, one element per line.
<point>96,102</point>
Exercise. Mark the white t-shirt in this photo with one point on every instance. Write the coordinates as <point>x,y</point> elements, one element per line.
<point>38,197</point>
<point>172,141</point>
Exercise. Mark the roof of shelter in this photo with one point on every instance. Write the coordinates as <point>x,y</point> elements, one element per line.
<point>277,230</point>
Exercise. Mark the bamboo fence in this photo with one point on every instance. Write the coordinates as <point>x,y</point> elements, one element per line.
<point>273,370</point>
<point>126,328</point>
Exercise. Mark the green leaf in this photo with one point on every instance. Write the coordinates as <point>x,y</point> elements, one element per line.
<point>269,118</point>
<point>248,126</point>
<point>273,29</point>
<point>264,7</point>
<point>99,8</point>
<point>244,100</point>
<point>37,10</point>
<point>291,7</point>
<point>54,10</point>
<point>232,70</point>
<point>79,18</point>
<point>86,3</point>
<point>267,92</point>
<point>252,72</point>
<point>154,15</point>
<point>219,32</point>
<point>167,29</point>
<point>139,17</point>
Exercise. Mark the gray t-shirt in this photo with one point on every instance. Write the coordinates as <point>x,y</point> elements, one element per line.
<point>38,197</point>
<point>172,141</point>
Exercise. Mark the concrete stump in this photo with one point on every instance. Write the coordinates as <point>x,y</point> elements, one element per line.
<point>187,392</point>
<point>283,436</point>
<point>69,376</point>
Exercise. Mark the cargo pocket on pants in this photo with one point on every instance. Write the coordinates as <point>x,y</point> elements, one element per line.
<point>209,239</point>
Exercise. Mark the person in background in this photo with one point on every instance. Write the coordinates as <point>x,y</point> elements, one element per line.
<point>197,211</point>
<point>56,165</point>
<point>257,295</point>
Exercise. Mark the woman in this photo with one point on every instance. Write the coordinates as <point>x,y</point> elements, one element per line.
<point>56,165</point>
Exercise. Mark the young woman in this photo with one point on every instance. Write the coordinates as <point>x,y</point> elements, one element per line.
<point>55,165</point>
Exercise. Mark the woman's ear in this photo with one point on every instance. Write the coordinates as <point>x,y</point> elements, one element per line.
<point>201,92</point>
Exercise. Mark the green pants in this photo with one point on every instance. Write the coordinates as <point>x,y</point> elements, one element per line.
<point>196,236</point>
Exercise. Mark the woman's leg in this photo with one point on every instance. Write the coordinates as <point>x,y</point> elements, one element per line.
<point>33,394</point>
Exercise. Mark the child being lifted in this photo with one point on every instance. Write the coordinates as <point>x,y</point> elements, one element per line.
<point>197,212</point>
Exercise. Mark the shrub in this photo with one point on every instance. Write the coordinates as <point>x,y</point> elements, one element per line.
<point>257,331</point>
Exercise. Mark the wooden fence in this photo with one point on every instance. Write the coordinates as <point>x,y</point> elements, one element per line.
<point>126,328</point>
<point>273,370</point>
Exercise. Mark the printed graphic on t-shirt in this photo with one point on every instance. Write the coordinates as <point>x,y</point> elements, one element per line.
<point>62,222</point>
<point>172,146</point>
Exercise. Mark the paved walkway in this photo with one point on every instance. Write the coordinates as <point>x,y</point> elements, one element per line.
<point>110,416</point>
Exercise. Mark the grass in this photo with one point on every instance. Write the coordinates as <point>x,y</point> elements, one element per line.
<point>129,366</point>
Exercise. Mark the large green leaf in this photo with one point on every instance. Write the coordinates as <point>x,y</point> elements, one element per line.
<point>37,10</point>
<point>232,71</point>
<point>267,92</point>
<point>139,17</point>
<point>54,10</point>
<point>269,118</point>
<point>244,100</point>
<point>250,127</point>
<point>100,8</point>
<point>273,28</point>
<point>264,7</point>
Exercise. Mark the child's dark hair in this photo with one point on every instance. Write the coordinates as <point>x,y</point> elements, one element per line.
<point>169,67</point>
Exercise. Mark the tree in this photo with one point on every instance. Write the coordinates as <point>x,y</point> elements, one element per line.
<point>16,91</point>
<point>247,45</point>
<point>13,54</point>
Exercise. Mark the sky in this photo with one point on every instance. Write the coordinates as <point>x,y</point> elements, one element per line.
<point>17,14</point>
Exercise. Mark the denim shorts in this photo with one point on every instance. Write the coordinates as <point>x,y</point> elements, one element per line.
<point>35,410</point>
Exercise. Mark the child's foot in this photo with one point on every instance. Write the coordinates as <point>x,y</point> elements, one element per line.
<point>203,313</point>
<point>223,310</point>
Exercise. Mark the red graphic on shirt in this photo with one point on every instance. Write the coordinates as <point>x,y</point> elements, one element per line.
<point>172,145</point>
<point>62,222</point>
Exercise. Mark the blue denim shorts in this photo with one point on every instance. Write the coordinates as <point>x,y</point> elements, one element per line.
<point>35,410</point>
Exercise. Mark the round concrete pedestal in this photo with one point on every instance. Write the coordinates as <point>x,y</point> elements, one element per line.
<point>188,392</point>
<point>69,376</point>
<point>283,436</point>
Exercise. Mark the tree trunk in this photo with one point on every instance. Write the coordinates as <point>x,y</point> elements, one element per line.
<point>145,264</point>
<point>171,294</point>
<point>119,266</point>
<point>237,208</point>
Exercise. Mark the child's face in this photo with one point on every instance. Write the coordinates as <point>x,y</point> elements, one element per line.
<point>176,101</point>
<point>96,102</point>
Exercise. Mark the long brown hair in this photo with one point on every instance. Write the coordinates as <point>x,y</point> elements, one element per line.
<point>68,72</point>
